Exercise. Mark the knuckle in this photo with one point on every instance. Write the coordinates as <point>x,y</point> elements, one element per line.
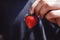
<point>47,6</point>
<point>37,10</point>
<point>48,16</point>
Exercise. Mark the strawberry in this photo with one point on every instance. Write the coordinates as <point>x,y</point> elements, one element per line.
<point>31,21</point>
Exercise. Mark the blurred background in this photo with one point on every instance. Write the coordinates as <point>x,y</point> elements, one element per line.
<point>9,9</point>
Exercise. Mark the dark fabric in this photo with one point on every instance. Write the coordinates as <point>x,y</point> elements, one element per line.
<point>9,9</point>
<point>52,31</point>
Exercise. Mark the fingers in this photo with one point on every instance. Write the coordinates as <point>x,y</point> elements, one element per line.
<point>56,13</point>
<point>33,6</point>
<point>50,17</point>
<point>53,15</point>
<point>38,7</point>
<point>49,5</point>
<point>43,10</point>
<point>42,7</point>
<point>46,7</point>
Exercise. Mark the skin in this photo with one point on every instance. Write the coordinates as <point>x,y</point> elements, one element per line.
<point>43,6</point>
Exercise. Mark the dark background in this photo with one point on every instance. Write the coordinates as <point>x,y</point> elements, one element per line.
<point>9,9</point>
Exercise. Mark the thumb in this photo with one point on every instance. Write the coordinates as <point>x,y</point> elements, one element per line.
<point>33,6</point>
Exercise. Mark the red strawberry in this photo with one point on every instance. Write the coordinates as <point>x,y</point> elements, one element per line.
<point>31,21</point>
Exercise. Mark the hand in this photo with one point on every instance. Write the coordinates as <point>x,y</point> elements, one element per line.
<point>54,17</point>
<point>41,7</point>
